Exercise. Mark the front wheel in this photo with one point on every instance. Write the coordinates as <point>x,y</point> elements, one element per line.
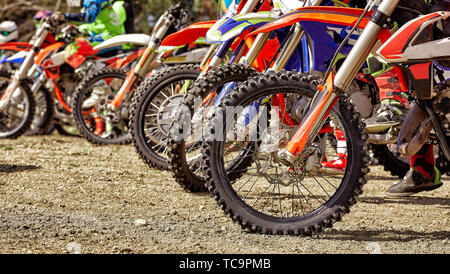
<point>185,155</point>
<point>17,111</point>
<point>274,196</point>
<point>152,111</point>
<point>44,114</point>
<point>91,113</point>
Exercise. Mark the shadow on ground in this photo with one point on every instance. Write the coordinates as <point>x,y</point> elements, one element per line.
<point>384,235</point>
<point>16,168</point>
<point>419,200</point>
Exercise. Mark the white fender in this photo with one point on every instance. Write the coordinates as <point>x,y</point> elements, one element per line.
<point>137,39</point>
<point>18,55</point>
<point>429,50</point>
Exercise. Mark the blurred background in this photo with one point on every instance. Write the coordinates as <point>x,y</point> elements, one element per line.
<point>146,12</point>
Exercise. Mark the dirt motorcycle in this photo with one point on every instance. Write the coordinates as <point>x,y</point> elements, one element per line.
<point>101,103</point>
<point>163,94</point>
<point>283,189</point>
<point>17,103</point>
<point>54,64</point>
<point>297,51</point>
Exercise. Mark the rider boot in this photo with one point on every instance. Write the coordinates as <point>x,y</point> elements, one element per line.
<point>340,160</point>
<point>99,126</point>
<point>394,102</point>
<point>97,93</point>
<point>423,175</point>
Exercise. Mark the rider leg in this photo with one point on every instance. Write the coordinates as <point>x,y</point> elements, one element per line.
<point>423,175</point>
<point>394,102</point>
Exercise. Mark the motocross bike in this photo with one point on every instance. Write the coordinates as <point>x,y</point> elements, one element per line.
<point>63,73</point>
<point>285,190</point>
<point>185,158</point>
<point>161,95</point>
<point>102,101</point>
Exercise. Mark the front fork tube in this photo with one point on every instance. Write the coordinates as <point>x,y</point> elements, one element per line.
<point>288,49</point>
<point>112,107</point>
<point>327,96</point>
<point>285,54</point>
<point>129,84</point>
<point>142,68</point>
<point>144,65</point>
<point>255,49</point>
<point>321,106</point>
<point>37,84</point>
<point>208,55</point>
<point>16,78</point>
<point>22,72</point>
<point>217,57</point>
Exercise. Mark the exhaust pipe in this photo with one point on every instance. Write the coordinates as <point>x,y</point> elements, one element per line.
<point>414,132</point>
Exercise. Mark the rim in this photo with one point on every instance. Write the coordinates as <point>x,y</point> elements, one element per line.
<point>15,114</point>
<point>97,118</point>
<point>274,188</point>
<point>159,111</point>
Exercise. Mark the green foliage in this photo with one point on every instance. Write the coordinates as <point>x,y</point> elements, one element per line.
<point>157,7</point>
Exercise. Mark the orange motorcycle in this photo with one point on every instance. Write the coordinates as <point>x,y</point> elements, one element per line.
<point>57,64</point>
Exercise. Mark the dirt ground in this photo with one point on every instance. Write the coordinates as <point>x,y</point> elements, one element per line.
<point>64,195</point>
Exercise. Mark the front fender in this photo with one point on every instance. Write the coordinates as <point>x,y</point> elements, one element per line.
<point>188,35</point>
<point>42,55</point>
<point>229,28</point>
<point>329,15</point>
<point>119,40</point>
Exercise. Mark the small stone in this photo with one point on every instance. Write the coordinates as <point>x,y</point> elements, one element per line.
<point>140,222</point>
<point>73,248</point>
<point>201,207</point>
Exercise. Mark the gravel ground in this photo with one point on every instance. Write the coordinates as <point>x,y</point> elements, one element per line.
<point>64,195</point>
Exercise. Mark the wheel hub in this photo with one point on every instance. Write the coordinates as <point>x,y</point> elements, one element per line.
<point>167,111</point>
